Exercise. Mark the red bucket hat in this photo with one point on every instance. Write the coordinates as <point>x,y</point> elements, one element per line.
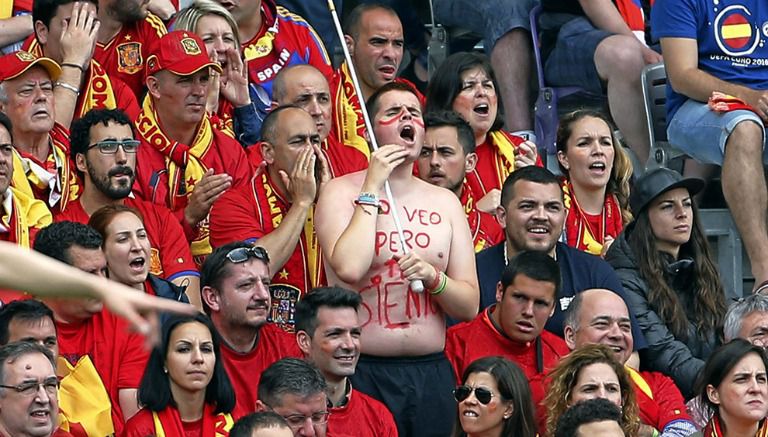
<point>179,52</point>
<point>15,64</point>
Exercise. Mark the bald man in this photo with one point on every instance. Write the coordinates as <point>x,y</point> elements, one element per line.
<point>601,316</point>
<point>306,87</point>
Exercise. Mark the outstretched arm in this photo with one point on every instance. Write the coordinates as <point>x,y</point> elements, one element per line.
<point>42,276</point>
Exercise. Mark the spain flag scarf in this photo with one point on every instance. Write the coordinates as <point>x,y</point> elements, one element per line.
<point>348,117</point>
<point>168,423</point>
<point>714,428</point>
<point>98,92</point>
<point>25,212</point>
<point>579,232</point>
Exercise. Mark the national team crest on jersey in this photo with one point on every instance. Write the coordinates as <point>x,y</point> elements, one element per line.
<point>129,57</point>
<point>735,33</point>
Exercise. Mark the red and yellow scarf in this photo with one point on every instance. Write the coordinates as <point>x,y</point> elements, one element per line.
<point>714,428</point>
<point>579,232</point>
<point>184,163</point>
<point>348,116</point>
<point>98,92</point>
<point>67,187</point>
<point>168,423</point>
<point>480,236</point>
<point>311,273</point>
<point>26,212</point>
<point>83,399</point>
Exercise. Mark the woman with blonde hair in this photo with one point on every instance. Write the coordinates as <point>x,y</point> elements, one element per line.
<point>597,172</point>
<point>232,102</point>
<point>591,372</point>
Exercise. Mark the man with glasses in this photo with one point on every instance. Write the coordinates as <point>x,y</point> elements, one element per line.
<point>28,93</point>
<point>514,326</point>
<point>184,163</point>
<point>104,150</point>
<point>29,403</point>
<point>235,292</point>
<point>328,331</point>
<point>295,389</point>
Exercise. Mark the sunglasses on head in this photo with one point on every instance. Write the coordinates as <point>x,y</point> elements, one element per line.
<point>482,394</point>
<point>242,254</point>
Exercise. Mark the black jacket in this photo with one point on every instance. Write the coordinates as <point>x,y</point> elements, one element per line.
<point>682,360</point>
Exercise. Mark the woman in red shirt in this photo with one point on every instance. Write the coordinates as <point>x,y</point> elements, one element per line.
<point>185,390</point>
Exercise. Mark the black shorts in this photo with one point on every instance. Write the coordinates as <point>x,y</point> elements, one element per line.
<point>417,390</point>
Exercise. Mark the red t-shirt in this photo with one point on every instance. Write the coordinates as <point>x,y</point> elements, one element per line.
<point>248,213</point>
<point>478,338</point>
<point>125,55</point>
<point>170,257</point>
<point>363,416</point>
<point>117,354</point>
<point>667,403</point>
<point>284,39</point>
<point>245,370</point>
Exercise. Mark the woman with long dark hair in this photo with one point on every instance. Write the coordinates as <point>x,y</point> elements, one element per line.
<point>671,281</point>
<point>596,179</point>
<point>734,386</point>
<point>465,83</point>
<point>494,401</point>
<point>185,389</point>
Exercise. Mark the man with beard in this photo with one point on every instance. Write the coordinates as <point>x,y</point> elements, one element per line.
<point>374,35</point>
<point>27,95</point>
<point>306,87</point>
<point>184,163</point>
<point>103,149</point>
<point>96,89</point>
<point>126,33</point>
<point>532,214</point>
<point>403,364</point>
<point>21,215</point>
<point>277,209</point>
<point>447,156</point>
<point>328,332</point>
<point>235,289</point>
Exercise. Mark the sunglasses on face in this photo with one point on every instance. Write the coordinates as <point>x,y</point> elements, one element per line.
<point>482,394</point>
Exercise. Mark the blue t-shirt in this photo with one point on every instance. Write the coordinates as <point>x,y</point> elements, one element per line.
<point>732,37</point>
<point>579,271</point>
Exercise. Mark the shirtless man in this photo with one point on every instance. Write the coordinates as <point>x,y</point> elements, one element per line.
<point>404,331</point>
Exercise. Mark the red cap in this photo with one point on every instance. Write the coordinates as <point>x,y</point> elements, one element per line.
<point>13,65</point>
<point>179,52</point>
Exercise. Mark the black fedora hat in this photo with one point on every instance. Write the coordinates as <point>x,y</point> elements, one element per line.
<point>659,181</point>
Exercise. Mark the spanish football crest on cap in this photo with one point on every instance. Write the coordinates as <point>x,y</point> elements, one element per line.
<point>25,56</point>
<point>129,57</point>
<point>190,46</point>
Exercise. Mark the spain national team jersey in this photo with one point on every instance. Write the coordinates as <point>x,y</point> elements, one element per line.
<point>285,39</point>
<point>124,55</point>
